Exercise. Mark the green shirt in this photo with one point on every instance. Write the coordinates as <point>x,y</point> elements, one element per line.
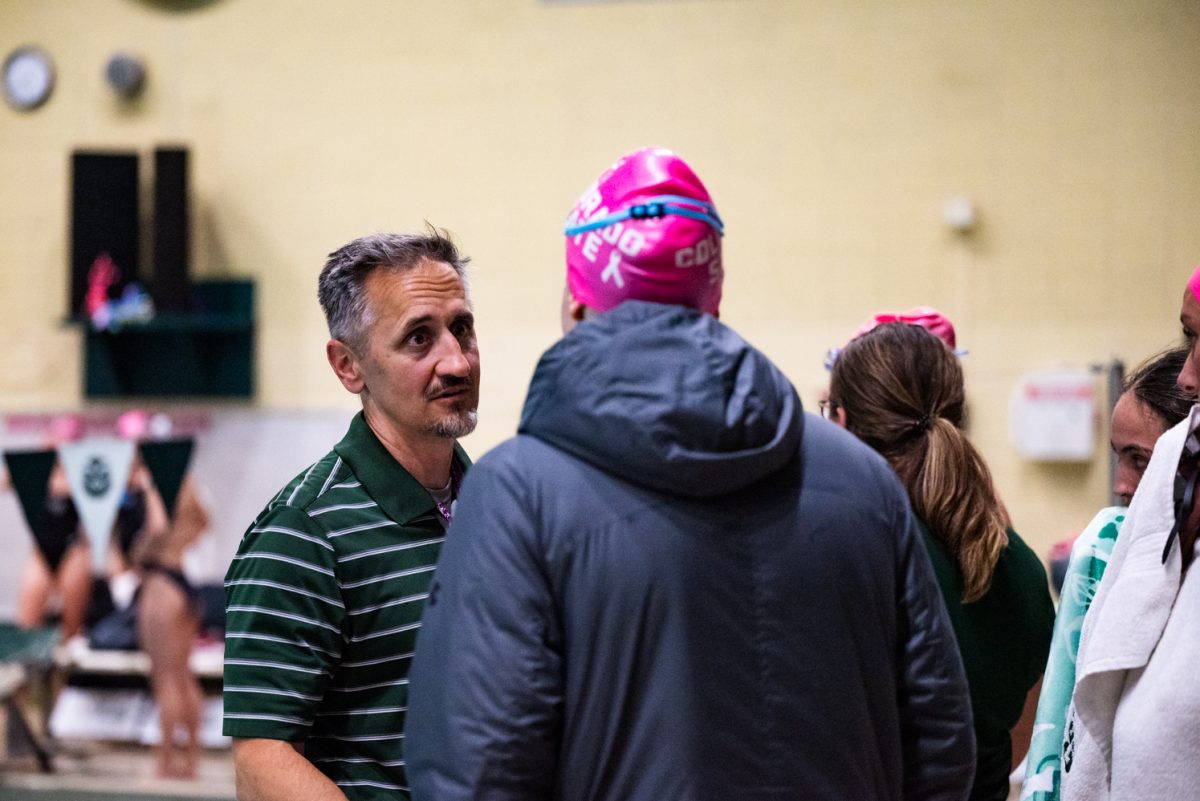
<point>323,603</point>
<point>1003,638</point>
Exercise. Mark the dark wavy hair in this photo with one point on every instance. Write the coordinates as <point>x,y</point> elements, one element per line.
<point>1153,383</point>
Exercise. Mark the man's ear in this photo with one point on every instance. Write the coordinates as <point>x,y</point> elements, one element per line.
<point>573,312</point>
<point>345,365</point>
<point>839,416</point>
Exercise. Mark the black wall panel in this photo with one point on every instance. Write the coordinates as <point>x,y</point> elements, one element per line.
<point>169,285</point>
<point>104,218</point>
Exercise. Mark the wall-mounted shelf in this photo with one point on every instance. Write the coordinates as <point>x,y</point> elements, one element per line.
<point>208,352</point>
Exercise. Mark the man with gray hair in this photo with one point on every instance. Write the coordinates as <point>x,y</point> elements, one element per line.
<point>325,594</point>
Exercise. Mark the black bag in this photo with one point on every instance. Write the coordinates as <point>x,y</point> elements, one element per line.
<point>116,631</point>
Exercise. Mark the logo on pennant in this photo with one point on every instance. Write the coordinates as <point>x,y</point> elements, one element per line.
<point>96,481</point>
<point>97,470</point>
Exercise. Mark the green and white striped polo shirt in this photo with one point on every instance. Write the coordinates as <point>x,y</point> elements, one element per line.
<point>323,602</point>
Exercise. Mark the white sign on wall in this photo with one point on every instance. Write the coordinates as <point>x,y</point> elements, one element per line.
<point>1053,416</point>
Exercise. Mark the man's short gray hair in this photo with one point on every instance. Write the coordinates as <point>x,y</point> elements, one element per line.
<point>341,287</point>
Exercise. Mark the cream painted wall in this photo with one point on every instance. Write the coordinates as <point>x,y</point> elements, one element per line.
<point>829,133</point>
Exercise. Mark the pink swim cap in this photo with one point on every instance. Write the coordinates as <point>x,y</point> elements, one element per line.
<point>1194,284</point>
<point>646,230</point>
<point>931,320</point>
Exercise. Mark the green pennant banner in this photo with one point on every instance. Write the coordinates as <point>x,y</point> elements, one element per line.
<point>167,461</point>
<point>29,472</point>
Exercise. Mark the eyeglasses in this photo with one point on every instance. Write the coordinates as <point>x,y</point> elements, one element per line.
<point>1186,475</point>
<point>826,407</point>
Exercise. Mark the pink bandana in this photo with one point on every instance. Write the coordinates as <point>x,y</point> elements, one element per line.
<point>931,320</point>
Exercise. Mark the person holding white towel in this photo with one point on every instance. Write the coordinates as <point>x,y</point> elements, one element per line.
<point>1132,728</point>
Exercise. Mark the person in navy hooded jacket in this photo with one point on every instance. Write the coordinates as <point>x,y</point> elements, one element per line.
<point>673,583</point>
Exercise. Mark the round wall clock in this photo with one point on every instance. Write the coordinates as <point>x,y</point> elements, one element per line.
<point>28,77</point>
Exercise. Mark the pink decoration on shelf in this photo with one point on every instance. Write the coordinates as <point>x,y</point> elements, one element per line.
<point>102,275</point>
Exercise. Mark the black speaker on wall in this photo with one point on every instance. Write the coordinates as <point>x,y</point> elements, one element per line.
<point>104,219</point>
<point>169,286</point>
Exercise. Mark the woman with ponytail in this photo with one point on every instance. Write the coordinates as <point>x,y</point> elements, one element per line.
<point>899,388</point>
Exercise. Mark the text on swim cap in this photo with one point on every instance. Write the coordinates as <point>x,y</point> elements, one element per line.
<point>628,241</point>
<point>706,252</point>
<point>613,270</point>
<point>700,253</point>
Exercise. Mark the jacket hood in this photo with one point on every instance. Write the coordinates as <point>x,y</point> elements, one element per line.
<point>665,397</point>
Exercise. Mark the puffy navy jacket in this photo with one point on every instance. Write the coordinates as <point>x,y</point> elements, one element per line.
<point>675,584</point>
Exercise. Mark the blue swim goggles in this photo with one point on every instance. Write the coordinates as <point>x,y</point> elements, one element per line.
<point>653,207</point>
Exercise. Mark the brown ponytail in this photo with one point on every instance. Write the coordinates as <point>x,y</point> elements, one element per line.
<point>902,392</point>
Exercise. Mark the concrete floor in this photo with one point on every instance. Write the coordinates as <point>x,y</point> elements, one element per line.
<point>95,771</point>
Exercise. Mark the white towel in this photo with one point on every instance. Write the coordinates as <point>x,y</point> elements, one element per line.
<point>1122,629</point>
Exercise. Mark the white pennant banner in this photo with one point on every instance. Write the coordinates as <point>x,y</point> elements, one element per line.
<point>97,469</point>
